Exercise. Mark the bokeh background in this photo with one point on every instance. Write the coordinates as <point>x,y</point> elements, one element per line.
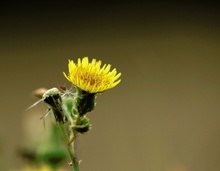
<point>163,116</point>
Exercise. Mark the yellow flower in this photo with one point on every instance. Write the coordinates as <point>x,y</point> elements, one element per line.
<point>91,77</point>
<point>42,168</point>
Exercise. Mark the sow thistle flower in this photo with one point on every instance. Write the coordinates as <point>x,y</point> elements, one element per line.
<point>70,109</point>
<point>41,168</point>
<point>91,77</point>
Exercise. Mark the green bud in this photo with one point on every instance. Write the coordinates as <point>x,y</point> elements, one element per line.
<point>81,125</point>
<point>53,98</point>
<point>52,151</point>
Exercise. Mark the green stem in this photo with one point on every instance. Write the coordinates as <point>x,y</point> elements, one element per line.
<point>70,146</point>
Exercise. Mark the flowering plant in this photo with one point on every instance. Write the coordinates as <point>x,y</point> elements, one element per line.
<point>70,108</point>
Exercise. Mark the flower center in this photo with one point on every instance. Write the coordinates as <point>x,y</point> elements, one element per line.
<point>93,80</point>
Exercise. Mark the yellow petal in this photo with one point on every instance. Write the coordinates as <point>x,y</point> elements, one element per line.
<point>85,62</point>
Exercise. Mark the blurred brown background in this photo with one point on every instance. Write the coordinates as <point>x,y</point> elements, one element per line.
<point>163,116</point>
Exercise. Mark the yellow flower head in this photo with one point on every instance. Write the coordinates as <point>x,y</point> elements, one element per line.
<point>91,77</point>
<point>42,168</point>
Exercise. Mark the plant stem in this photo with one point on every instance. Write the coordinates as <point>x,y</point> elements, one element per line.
<point>70,146</point>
